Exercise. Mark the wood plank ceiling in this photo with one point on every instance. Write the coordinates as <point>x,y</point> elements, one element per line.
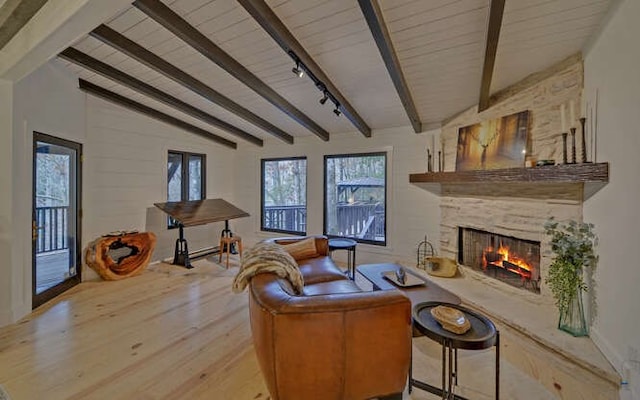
<point>440,50</point>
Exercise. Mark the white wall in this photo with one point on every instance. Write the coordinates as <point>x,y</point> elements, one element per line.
<point>412,212</point>
<point>124,173</point>
<point>45,101</point>
<point>6,203</point>
<point>612,68</point>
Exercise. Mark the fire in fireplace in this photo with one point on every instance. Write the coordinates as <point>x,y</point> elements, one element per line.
<point>506,258</point>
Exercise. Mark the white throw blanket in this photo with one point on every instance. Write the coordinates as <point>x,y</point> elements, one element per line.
<point>267,257</point>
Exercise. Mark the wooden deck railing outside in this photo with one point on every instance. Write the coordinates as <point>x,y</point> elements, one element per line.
<point>52,223</point>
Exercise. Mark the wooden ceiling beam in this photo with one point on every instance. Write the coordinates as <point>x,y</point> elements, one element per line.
<point>270,22</point>
<point>14,14</point>
<point>375,20</point>
<point>493,35</point>
<point>84,60</point>
<point>182,29</point>
<point>150,112</point>
<point>134,50</point>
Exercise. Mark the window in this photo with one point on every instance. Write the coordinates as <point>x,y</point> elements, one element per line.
<point>355,197</point>
<point>284,195</point>
<point>185,183</point>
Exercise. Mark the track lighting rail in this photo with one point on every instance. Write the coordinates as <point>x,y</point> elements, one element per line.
<point>301,69</point>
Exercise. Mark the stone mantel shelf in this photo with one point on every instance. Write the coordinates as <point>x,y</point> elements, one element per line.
<point>591,177</point>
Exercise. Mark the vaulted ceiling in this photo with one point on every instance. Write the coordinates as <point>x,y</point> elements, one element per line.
<point>225,66</point>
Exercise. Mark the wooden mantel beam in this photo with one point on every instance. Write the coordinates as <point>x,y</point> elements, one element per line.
<point>270,22</point>
<point>150,112</point>
<point>493,35</point>
<point>86,61</point>
<point>137,52</point>
<point>181,28</point>
<point>375,19</point>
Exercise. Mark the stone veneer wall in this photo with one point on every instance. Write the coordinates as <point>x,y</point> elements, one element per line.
<point>518,210</point>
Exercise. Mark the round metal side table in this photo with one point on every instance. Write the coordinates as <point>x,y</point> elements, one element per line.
<point>350,246</point>
<point>482,335</point>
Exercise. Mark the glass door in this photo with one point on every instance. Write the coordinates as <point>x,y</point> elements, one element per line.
<point>56,216</point>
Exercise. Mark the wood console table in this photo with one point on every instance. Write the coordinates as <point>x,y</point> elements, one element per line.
<point>198,212</point>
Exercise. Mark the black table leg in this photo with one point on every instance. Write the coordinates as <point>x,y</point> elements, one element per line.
<point>353,264</point>
<point>497,365</point>
<point>444,367</point>
<point>181,253</point>
<point>411,369</point>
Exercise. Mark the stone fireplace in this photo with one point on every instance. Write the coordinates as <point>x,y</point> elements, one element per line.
<point>505,212</point>
<point>513,204</point>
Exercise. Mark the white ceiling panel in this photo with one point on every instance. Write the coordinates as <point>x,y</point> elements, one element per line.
<point>537,34</point>
<point>440,45</point>
<point>348,56</point>
<point>126,20</point>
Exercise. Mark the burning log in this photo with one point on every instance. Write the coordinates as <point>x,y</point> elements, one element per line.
<point>517,269</point>
<point>121,254</point>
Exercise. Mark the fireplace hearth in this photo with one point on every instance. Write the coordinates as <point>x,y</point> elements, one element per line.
<point>508,259</point>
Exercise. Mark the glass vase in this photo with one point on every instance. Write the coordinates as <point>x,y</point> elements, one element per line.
<point>572,318</point>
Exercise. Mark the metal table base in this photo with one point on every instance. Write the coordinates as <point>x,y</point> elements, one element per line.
<point>350,246</point>
<point>484,337</point>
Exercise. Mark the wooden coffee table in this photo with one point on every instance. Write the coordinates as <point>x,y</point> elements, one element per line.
<point>429,291</point>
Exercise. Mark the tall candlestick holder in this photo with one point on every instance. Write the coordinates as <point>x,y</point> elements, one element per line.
<point>439,161</point>
<point>573,145</point>
<point>564,147</point>
<point>584,141</point>
<point>429,164</point>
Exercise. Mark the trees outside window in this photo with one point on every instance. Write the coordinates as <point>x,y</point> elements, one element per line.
<point>355,196</point>
<point>186,177</point>
<point>284,195</point>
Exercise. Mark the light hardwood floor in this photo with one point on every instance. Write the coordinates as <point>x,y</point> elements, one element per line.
<point>173,333</point>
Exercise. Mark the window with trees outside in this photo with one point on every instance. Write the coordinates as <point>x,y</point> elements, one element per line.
<point>186,177</point>
<point>355,197</point>
<point>284,195</point>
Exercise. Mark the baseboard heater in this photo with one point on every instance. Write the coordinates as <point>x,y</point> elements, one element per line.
<point>207,251</point>
<point>201,253</point>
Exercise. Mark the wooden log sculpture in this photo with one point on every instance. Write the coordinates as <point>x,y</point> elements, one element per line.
<point>120,255</point>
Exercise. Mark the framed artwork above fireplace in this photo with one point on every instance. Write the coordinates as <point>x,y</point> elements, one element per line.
<point>493,144</point>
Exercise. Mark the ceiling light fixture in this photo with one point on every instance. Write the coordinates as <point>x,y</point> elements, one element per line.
<point>300,69</point>
<point>297,70</point>
<point>324,98</point>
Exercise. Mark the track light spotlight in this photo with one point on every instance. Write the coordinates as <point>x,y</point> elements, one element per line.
<point>324,98</point>
<point>300,69</point>
<point>297,70</point>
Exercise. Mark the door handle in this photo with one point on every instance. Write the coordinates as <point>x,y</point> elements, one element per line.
<point>34,230</point>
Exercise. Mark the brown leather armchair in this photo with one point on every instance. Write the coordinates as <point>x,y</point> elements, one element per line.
<point>334,341</point>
